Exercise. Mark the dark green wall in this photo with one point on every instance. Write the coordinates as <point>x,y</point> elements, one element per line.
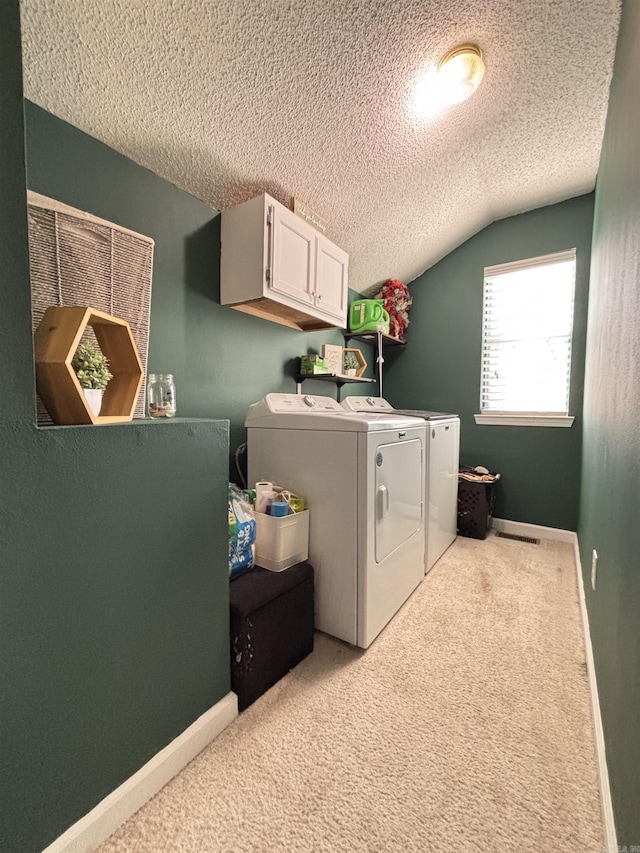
<point>610,466</point>
<point>223,360</point>
<point>114,609</point>
<point>16,377</point>
<point>113,565</point>
<point>115,617</point>
<point>440,367</point>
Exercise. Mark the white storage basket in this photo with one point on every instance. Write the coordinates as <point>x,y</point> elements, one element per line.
<point>281,541</point>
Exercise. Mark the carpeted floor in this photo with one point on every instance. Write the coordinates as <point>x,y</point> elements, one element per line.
<point>466,726</point>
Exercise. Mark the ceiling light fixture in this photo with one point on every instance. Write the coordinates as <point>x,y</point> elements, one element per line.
<point>460,73</point>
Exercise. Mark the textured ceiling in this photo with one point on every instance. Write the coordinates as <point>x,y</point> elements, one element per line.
<point>314,99</point>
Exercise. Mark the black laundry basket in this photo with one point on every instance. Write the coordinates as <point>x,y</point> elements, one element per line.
<point>476,499</point>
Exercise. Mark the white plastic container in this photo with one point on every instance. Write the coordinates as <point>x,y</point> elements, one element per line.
<point>281,542</point>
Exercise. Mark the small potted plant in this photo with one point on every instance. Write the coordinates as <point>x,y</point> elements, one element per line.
<point>91,367</point>
<point>350,364</point>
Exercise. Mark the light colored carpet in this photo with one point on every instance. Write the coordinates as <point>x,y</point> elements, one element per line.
<point>466,726</point>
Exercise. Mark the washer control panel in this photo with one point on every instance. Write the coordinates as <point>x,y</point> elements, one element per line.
<point>301,403</point>
<point>367,404</point>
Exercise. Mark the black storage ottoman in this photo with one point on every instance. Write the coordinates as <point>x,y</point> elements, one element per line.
<point>271,627</point>
<point>475,507</point>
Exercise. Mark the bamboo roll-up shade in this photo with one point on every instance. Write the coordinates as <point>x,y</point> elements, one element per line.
<point>78,259</point>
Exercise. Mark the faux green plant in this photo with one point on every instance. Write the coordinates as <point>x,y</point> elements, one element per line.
<point>91,366</point>
<point>350,361</point>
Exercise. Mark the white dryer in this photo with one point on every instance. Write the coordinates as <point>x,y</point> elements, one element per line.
<point>442,462</point>
<point>362,476</point>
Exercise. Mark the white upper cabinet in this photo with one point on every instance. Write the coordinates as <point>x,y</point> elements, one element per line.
<point>331,285</point>
<point>276,266</point>
<point>292,267</point>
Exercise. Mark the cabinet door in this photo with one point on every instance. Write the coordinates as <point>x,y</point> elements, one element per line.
<point>331,279</point>
<point>292,256</point>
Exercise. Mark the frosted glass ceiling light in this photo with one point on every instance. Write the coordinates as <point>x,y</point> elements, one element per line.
<point>460,73</point>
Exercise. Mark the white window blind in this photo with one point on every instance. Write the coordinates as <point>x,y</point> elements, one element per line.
<point>526,340</point>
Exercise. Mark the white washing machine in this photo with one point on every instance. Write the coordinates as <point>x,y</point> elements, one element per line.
<point>362,476</point>
<point>442,462</point>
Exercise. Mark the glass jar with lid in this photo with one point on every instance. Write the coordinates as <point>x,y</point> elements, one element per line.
<point>161,395</point>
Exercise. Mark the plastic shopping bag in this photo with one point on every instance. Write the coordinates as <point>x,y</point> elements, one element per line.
<point>242,532</point>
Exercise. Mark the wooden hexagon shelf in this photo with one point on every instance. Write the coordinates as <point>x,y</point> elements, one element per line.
<point>362,362</point>
<point>56,339</point>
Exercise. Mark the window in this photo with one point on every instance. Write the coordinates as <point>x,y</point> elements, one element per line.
<point>526,341</point>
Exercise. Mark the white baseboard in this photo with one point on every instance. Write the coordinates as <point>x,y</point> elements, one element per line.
<point>119,805</point>
<point>537,531</point>
<point>611,841</point>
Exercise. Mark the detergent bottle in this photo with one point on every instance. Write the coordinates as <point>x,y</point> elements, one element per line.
<point>368,315</point>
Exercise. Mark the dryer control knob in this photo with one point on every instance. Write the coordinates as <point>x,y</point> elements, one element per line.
<point>309,401</point>
<point>371,401</point>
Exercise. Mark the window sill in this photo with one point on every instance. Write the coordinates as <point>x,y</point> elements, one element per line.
<point>525,419</point>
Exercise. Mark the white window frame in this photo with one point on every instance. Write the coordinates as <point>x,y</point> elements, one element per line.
<point>502,418</point>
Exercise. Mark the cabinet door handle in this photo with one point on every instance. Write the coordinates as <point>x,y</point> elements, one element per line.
<point>319,297</point>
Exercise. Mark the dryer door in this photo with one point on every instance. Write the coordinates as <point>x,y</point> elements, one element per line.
<point>398,497</point>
